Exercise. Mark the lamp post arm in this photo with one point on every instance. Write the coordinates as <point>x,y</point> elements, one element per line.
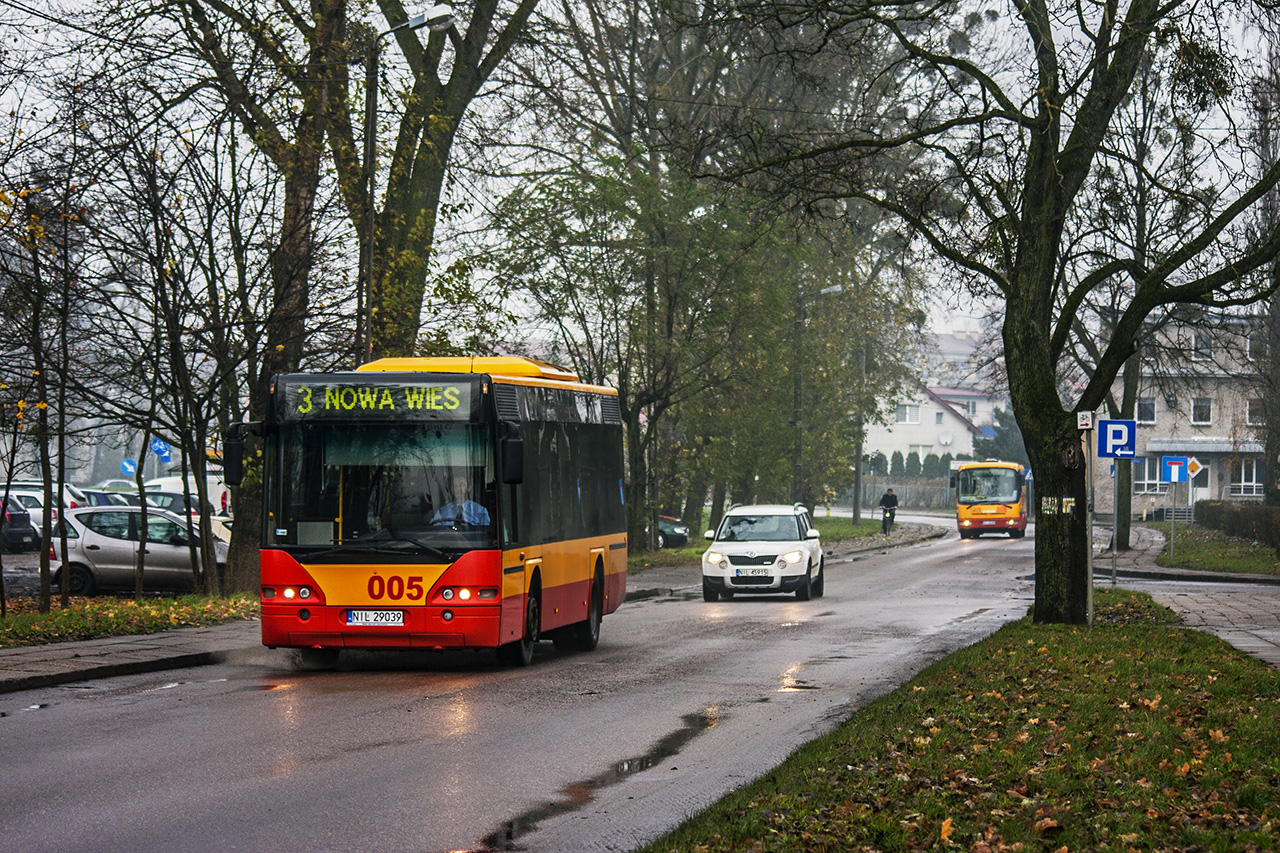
<point>364,320</point>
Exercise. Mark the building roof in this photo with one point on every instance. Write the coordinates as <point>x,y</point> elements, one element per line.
<point>1191,445</point>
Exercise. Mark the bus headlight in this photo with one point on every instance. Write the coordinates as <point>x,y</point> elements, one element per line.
<point>792,557</point>
<point>966,523</point>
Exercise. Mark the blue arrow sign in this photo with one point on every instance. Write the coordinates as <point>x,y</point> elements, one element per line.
<point>129,466</point>
<point>1117,439</point>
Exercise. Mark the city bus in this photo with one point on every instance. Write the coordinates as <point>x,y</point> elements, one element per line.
<point>439,503</point>
<point>991,497</point>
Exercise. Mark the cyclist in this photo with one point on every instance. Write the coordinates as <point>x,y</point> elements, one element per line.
<point>889,508</point>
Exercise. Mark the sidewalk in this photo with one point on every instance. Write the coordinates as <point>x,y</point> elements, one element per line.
<point>1249,620</point>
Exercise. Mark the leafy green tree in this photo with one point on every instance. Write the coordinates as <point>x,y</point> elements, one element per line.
<point>897,465</point>
<point>932,467</point>
<point>1006,445</point>
<point>913,466</point>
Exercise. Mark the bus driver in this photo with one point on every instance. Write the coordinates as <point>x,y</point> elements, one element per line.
<point>462,508</point>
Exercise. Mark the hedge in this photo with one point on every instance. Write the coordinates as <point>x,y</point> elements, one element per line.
<point>1245,521</point>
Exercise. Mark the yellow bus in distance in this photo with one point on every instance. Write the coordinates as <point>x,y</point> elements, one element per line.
<point>991,497</point>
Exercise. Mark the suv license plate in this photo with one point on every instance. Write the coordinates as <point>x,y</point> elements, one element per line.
<point>752,573</point>
<point>375,617</point>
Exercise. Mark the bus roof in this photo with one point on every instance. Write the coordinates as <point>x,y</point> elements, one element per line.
<point>514,366</point>
<point>960,465</point>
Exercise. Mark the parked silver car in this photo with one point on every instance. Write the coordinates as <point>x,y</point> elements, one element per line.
<point>102,548</point>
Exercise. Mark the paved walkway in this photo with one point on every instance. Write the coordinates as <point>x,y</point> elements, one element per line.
<point>1242,609</point>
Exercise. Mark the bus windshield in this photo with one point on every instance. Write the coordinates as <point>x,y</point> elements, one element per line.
<point>988,486</point>
<point>420,488</point>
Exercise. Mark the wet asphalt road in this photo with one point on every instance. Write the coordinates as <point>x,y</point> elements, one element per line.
<point>683,701</point>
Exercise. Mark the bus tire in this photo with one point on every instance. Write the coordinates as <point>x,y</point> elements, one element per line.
<point>520,653</point>
<point>805,591</point>
<point>1017,534</point>
<point>586,634</point>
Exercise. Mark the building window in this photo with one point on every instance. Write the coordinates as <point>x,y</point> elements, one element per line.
<point>1146,410</point>
<point>937,417</point>
<point>908,413</point>
<point>1246,477</point>
<point>1146,476</point>
<point>1253,412</point>
<point>1256,346</point>
<point>920,450</point>
<point>1201,346</point>
<point>1202,411</point>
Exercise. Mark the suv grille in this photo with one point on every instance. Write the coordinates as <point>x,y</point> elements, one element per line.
<point>758,560</point>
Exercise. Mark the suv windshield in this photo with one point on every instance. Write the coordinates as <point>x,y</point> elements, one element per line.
<point>758,528</point>
<point>350,487</point>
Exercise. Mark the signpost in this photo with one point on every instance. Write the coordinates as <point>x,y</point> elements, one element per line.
<point>1084,421</point>
<point>1174,470</point>
<point>1116,440</point>
<point>129,467</point>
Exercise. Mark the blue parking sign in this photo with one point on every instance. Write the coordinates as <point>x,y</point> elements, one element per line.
<point>1117,439</point>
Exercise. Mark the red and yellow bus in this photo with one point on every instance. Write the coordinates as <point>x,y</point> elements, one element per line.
<point>439,503</point>
<point>991,497</point>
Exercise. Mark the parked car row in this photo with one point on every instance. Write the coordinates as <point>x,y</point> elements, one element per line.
<point>102,550</point>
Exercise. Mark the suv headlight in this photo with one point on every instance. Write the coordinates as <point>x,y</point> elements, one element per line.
<point>792,557</point>
<point>713,558</point>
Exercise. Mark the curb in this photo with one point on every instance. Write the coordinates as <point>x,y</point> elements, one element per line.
<point>53,679</point>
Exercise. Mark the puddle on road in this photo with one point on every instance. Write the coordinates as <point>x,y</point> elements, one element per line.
<point>583,792</point>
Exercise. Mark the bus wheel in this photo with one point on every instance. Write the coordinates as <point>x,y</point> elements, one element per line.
<point>709,592</point>
<point>805,592</point>
<point>586,634</point>
<point>520,653</point>
<point>318,658</point>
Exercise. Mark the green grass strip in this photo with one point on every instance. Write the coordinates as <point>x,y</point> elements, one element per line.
<point>91,618</point>
<point>1135,734</point>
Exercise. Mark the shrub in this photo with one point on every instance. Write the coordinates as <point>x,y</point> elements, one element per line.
<point>1244,521</point>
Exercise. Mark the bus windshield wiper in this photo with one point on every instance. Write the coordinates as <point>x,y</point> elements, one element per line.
<point>379,546</point>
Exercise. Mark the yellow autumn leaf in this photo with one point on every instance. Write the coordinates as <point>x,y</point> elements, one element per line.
<point>946,830</point>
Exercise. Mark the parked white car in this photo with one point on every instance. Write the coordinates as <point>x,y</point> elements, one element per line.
<point>764,549</point>
<point>218,494</point>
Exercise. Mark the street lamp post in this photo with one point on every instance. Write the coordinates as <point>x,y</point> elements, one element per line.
<point>438,17</point>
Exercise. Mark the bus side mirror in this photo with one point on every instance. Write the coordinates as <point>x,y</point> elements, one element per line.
<point>952,481</point>
<point>1021,479</point>
<point>233,451</point>
<point>511,448</point>
<point>233,456</point>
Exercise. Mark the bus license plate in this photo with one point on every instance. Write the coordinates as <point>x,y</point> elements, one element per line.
<point>752,573</point>
<point>375,617</point>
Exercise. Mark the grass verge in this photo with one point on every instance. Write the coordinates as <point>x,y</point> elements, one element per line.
<point>90,618</point>
<point>1207,550</point>
<point>1132,735</point>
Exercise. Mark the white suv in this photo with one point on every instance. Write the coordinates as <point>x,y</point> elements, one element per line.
<point>766,549</point>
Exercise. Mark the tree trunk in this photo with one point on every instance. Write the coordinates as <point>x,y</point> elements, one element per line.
<point>1058,464</point>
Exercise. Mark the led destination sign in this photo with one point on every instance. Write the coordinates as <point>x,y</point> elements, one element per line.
<point>325,399</point>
